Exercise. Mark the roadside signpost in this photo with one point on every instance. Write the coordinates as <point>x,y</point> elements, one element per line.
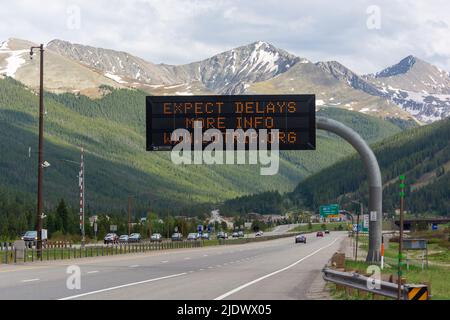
<point>329,211</point>
<point>365,226</point>
<point>416,244</point>
<point>113,228</point>
<point>434,226</point>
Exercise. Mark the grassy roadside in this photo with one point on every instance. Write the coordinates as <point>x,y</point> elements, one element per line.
<point>437,274</point>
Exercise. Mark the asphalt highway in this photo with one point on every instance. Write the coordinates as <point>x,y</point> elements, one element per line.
<point>276,269</point>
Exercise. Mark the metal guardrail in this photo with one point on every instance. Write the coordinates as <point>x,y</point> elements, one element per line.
<point>361,282</point>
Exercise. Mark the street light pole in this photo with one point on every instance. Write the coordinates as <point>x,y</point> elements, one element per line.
<point>400,240</point>
<point>39,213</point>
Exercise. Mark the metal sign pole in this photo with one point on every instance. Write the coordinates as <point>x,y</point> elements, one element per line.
<point>400,240</point>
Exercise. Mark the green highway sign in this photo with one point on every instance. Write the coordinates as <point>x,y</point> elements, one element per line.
<point>329,210</point>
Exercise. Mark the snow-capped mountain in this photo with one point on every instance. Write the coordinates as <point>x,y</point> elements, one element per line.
<point>226,73</point>
<point>409,89</point>
<point>231,71</point>
<point>417,86</point>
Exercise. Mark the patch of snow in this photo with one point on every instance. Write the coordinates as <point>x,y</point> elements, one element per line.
<point>320,102</point>
<point>4,45</point>
<point>175,86</point>
<point>14,61</point>
<point>183,93</point>
<point>114,77</point>
<point>363,110</point>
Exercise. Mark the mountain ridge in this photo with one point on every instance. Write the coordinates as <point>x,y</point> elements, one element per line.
<point>409,89</point>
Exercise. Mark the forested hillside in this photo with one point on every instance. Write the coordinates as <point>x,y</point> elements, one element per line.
<point>112,131</point>
<point>421,154</point>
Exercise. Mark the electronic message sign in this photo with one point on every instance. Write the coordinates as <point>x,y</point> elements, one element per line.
<point>292,115</point>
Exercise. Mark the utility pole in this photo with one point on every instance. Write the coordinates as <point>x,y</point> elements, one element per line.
<point>39,213</point>
<point>81,183</point>
<point>400,240</point>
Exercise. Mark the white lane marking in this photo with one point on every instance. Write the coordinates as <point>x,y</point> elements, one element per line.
<point>95,271</point>
<point>229,293</point>
<point>205,255</point>
<point>133,266</point>
<point>164,261</point>
<point>201,269</point>
<point>30,280</point>
<point>191,271</point>
<point>210,267</point>
<point>187,258</point>
<point>122,286</point>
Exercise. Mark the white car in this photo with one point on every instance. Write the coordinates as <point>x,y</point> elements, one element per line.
<point>259,234</point>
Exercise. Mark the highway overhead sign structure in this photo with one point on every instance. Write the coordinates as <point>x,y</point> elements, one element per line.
<point>292,115</point>
<point>329,211</point>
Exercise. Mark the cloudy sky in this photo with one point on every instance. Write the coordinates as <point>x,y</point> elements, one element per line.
<point>365,35</point>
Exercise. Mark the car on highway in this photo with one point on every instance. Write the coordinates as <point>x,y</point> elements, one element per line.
<point>222,235</point>
<point>327,231</point>
<point>177,237</point>
<point>235,235</point>
<point>241,234</point>
<point>123,238</point>
<point>300,238</point>
<point>192,236</point>
<point>111,238</point>
<point>259,234</point>
<point>156,237</point>
<point>206,236</point>
<point>30,238</point>
<point>319,234</point>
<point>134,237</point>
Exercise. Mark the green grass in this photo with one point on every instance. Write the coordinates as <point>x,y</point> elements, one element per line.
<point>438,277</point>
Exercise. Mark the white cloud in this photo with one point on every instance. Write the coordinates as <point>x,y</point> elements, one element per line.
<point>178,32</point>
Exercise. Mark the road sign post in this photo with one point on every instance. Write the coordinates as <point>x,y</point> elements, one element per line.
<point>374,180</point>
<point>400,240</point>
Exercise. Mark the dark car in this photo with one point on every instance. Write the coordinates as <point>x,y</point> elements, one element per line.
<point>319,234</point>
<point>327,231</point>
<point>111,238</point>
<point>30,238</point>
<point>156,237</point>
<point>177,237</point>
<point>134,237</point>
<point>259,234</point>
<point>300,239</point>
<point>235,235</point>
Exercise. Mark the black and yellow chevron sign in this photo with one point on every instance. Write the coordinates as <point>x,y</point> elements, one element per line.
<point>418,293</point>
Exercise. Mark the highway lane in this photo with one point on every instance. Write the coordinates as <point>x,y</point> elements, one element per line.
<point>277,269</point>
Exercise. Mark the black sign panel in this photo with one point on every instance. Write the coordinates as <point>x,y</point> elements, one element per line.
<point>292,115</point>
